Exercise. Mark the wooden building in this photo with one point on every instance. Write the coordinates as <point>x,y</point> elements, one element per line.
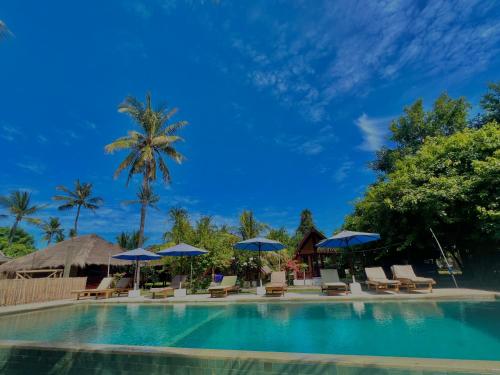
<point>308,253</point>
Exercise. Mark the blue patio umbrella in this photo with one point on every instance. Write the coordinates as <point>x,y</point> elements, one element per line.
<point>346,239</point>
<point>183,250</point>
<point>259,244</point>
<point>137,255</point>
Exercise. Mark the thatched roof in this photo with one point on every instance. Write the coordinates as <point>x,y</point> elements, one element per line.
<point>4,258</point>
<point>79,251</point>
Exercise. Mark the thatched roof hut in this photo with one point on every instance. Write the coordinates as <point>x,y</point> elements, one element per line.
<point>4,258</point>
<point>77,252</point>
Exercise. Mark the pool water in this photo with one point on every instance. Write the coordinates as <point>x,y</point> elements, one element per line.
<point>455,330</point>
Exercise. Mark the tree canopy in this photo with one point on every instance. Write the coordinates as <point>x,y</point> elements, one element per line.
<point>22,242</point>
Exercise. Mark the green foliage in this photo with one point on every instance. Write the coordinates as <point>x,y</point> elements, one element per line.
<point>129,241</point>
<point>52,230</point>
<point>22,242</point>
<point>450,184</point>
<point>306,223</point>
<point>490,103</point>
<point>80,197</point>
<point>249,226</point>
<point>181,230</point>
<point>410,130</point>
<point>18,204</point>
<point>147,147</point>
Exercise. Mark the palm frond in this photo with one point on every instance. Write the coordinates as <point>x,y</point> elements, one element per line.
<point>173,128</point>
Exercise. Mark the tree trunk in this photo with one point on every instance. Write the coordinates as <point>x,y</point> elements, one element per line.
<point>76,220</point>
<point>144,204</point>
<point>13,230</point>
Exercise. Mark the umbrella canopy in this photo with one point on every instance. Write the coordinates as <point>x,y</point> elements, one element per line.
<point>259,244</point>
<point>137,255</point>
<point>182,249</point>
<point>347,238</point>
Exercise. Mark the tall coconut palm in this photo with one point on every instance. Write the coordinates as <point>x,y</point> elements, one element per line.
<point>148,146</point>
<point>80,197</point>
<point>249,226</point>
<point>52,229</point>
<point>18,204</point>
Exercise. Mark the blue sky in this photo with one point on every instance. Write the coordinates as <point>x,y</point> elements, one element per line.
<point>286,100</point>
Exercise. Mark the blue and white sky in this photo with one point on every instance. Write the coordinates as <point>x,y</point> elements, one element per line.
<point>286,100</point>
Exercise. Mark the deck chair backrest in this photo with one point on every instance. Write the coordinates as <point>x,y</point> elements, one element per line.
<point>329,275</point>
<point>375,273</point>
<point>105,283</point>
<point>177,280</point>
<point>278,277</point>
<point>123,283</point>
<point>403,271</point>
<point>228,281</point>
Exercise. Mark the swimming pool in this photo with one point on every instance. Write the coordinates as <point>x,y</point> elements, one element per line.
<point>454,330</point>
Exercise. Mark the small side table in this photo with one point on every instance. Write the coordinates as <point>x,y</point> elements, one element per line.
<point>355,288</point>
<point>180,293</point>
<point>134,293</point>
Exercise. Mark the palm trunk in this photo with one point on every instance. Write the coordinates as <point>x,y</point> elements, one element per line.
<point>144,204</point>
<point>76,220</point>
<point>13,231</point>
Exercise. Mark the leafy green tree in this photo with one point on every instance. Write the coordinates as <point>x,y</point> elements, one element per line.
<point>18,204</point>
<point>452,184</point>
<point>147,147</point>
<point>410,130</point>
<point>249,226</point>
<point>22,243</point>
<point>129,241</point>
<point>490,103</point>
<point>80,197</point>
<point>306,223</point>
<point>181,230</point>
<point>52,229</point>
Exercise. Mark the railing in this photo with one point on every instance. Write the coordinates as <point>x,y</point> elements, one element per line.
<point>16,292</point>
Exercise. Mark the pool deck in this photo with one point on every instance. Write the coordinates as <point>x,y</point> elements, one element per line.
<point>291,296</point>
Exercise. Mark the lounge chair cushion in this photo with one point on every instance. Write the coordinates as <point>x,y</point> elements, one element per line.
<point>405,272</point>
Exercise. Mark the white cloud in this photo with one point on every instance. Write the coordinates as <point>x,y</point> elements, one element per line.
<point>317,53</point>
<point>41,138</point>
<point>32,166</point>
<point>374,131</point>
<point>343,171</point>
<point>311,144</point>
<point>9,132</point>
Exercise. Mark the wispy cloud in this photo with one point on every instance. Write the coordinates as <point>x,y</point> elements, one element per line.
<point>9,132</point>
<point>342,171</point>
<point>32,166</point>
<point>312,144</point>
<point>317,53</point>
<point>374,132</point>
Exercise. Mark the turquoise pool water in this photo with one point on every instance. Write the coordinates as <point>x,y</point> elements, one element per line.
<point>458,330</point>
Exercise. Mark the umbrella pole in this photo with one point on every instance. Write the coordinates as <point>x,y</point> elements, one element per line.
<point>136,286</point>
<point>260,268</point>
<point>191,277</point>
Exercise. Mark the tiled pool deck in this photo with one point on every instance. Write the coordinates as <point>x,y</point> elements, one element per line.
<point>18,357</point>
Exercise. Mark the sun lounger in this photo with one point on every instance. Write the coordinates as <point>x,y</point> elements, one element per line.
<point>408,279</point>
<point>330,282</point>
<point>177,281</point>
<point>162,292</point>
<point>277,286</point>
<point>377,280</point>
<point>103,289</point>
<point>123,286</point>
<point>227,285</point>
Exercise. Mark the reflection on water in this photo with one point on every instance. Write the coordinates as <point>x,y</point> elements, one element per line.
<point>419,329</point>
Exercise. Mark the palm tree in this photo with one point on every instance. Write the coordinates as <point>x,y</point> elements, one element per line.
<point>249,226</point>
<point>182,230</point>
<point>52,229</point>
<point>148,146</point>
<point>128,241</point>
<point>18,203</point>
<point>80,197</point>
<point>146,198</point>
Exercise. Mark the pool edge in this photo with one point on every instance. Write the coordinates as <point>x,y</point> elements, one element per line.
<point>269,359</point>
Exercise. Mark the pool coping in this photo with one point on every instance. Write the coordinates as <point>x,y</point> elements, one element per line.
<point>420,364</point>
